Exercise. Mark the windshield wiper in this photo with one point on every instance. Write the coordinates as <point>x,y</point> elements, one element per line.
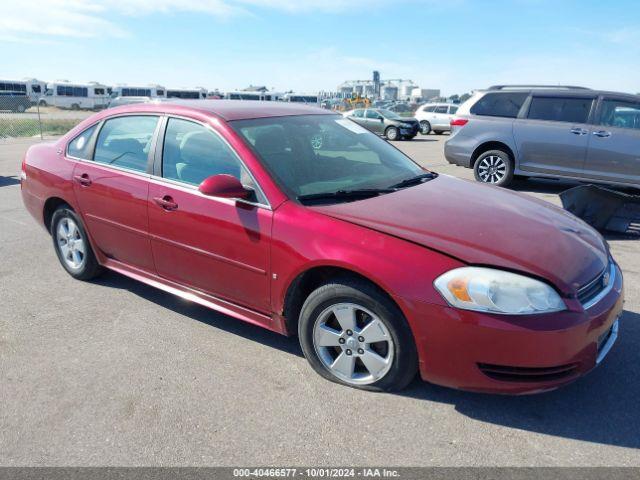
<point>346,194</point>
<point>415,180</point>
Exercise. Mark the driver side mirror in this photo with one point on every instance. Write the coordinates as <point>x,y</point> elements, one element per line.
<point>224,186</point>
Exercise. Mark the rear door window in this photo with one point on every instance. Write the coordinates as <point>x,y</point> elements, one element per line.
<point>557,109</point>
<point>358,113</point>
<point>620,114</point>
<point>500,104</point>
<point>442,109</point>
<point>125,142</point>
<point>373,114</point>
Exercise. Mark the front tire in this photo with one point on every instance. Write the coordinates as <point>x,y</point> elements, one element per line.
<point>352,334</point>
<point>72,245</point>
<point>392,133</point>
<point>494,167</point>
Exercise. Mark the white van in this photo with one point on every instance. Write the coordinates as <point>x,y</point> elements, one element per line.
<point>301,98</point>
<point>197,93</point>
<point>76,96</point>
<point>260,96</point>
<point>151,91</point>
<point>32,88</point>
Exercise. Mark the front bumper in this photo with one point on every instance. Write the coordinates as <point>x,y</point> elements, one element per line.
<point>514,355</point>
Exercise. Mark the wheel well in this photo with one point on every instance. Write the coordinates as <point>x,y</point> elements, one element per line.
<point>490,146</point>
<point>50,206</point>
<point>307,282</point>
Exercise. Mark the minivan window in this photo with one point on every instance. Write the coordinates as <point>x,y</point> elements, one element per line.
<point>125,142</point>
<point>571,110</point>
<point>192,152</point>
<point>79,146</point>
<point>500,104</point>
<point>620,113</point>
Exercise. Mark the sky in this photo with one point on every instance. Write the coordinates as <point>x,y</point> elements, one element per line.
<point>312,45</point>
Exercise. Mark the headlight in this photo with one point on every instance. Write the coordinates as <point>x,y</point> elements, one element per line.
<point>496,291</point>
<point>405,125</point>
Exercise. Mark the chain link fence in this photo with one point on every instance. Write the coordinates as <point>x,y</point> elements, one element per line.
<point>21,118</point>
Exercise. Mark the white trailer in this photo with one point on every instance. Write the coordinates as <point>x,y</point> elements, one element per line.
<point>76,96</point>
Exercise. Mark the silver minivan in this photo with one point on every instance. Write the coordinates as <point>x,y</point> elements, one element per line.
<point>554,132</point>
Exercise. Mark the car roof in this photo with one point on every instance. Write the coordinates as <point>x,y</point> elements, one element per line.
<point>565,92</point>
<point>228,109</point>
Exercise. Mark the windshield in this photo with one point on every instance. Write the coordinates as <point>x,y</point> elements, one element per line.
<point>389,114</point>
<point>311,154</point>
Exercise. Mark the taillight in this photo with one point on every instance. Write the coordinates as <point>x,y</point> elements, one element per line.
<point>458,122</point>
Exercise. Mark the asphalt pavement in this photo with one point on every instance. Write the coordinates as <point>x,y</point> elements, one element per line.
<point>113,372</point>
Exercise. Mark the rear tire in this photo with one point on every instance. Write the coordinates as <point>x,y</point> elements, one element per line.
<point>425,127</point>
<point>392,133</point>
<point>382,358</point>
<point>72,245</point>
<point>494,167</point>
<point>438,132</point>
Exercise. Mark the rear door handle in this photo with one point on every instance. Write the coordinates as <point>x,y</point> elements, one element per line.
<point>83,179</point>
<point>166,202</point>
<point>579,131</point>
<point>602,133</point>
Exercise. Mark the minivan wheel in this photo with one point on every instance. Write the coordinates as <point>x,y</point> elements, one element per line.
<point>392,133</point>
<point>425,127</point>
<point>495,167</point>
<point>72,245</point>
<point>75,106</point>
<point>354,335</point>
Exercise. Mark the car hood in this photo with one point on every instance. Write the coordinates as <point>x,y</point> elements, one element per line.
<point>485,225</point>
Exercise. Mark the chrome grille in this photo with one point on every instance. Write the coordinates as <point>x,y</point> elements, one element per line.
<point>590,292</point>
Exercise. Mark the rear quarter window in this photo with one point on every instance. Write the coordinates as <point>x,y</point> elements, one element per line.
<point>500,104</point>
<point>79,147</point>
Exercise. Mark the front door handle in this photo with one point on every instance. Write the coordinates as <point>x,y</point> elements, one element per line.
<point>602,133</point>
<point>579,131</point>
<point>83,179</point>
<point>166,202</point>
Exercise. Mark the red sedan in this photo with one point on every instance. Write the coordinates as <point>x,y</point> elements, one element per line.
<point>302,222</point>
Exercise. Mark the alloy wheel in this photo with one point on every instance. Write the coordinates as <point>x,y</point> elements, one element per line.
<point>353,343</point>
<point>492,169</point>
<point>71,243</point>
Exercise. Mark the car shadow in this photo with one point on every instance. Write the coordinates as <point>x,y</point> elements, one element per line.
<point>201,314</point>
<point>542,185</point>
<point>7,181</point>
<point>601,407</point>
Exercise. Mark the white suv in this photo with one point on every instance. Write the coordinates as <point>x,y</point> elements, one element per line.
<point>435,117</point>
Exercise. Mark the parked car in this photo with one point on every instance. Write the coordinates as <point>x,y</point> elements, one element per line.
<point>555,132</point>
<point>385,122</point>
<point>435,117</point>
<point>14,102</point>
<point>352,246</point>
